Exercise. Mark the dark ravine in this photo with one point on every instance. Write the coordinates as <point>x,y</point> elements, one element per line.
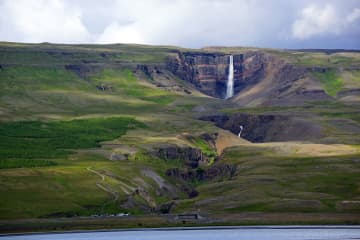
<point>195,167</point>
<point>190,157</point>
<point>268,128</point>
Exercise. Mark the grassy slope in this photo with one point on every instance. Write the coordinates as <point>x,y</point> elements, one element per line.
<point>55,181</point>
<point>339,75</point>
<point>39,159</point>
<point>268,181</point>
<point>332,83</point>
<point>22,141</point>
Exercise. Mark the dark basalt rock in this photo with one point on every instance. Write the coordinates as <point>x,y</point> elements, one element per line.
<point>104,87</point>
<point>82,70</point>
<point>267,128</point>
<point>216,171</point>
<point>192,157</point>
<point>166,207</point>
<point>209,71</point>
<point>349,92</point>
<point>145,69</point>
<point>318,69</point>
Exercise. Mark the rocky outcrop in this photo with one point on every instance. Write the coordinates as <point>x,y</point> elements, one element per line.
<point>217,171</point>
<point>282,84</point>
<point>192,157</point>
<point>206,71</point>
<point>268,128</point>
<point>349,92</point>
<point>185,176</point>
<point>83,70</point>
<point>161,78</point>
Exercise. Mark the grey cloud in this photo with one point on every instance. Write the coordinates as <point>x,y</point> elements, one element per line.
<point>277,23</point>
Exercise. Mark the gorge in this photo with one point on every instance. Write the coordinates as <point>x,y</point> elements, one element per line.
<point>259,77</point>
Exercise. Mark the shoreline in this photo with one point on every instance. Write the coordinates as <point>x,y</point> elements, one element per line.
<point>249,220</point>
<point>196,228</point>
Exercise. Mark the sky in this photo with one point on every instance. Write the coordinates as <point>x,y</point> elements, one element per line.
<point>186,23</point>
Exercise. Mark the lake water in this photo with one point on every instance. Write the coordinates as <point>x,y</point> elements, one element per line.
<point>241,233</point>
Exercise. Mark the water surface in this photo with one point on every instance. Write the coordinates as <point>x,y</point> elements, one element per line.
<point>239,233</point>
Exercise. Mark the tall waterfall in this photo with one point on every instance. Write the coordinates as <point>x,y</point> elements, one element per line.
<point>230,81</point>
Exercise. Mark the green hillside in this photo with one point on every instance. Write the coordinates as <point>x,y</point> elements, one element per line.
<point>104,129</point>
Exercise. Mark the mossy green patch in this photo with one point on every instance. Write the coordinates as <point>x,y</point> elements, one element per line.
<point>331,81</point>
<point>32,140</point>
<point>125,82</point>
<point>205,148</point>
<point>56,191</point>
<point>24,163</point>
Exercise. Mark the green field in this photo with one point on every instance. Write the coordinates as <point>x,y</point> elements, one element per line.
<point>331,81</point>
<point>271,182</point>
<point>36,140</point>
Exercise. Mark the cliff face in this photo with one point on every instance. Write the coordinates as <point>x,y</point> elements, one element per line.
<point>209,71</point>
<point>268,128</point>
<point>260,78</point>
<point>192,157</point>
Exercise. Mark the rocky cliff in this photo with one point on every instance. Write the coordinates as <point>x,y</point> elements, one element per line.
<point>192,157</point>
<point>268,128</point>
<point>260,78</point>
<point>209,71</point>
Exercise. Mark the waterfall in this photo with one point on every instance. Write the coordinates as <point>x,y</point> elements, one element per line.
<point>230,81</point>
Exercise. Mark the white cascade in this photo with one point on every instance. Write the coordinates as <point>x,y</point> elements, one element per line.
<point>230,81</point>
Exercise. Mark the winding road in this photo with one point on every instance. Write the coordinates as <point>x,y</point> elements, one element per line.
<point>102,185</point>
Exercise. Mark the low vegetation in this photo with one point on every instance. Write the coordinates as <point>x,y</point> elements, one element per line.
<point>44,140</point>
<point>77,142</point>
<point>126,83</point>
<point>331,81</point>
<point>268,181</point>
<point>25,163</point>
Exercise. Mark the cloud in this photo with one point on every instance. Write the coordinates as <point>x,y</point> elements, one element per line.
<point>41,20</point>
<point>187,23</point>
<point>193,24</point>
<point>353,16</point>
<point>317,20</point>
<point>115,33</point>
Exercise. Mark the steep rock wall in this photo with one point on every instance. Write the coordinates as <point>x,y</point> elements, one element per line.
<point>192,157</point>
<point>267,127</point>
<point>209,71</point>
<point>260,78</point>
